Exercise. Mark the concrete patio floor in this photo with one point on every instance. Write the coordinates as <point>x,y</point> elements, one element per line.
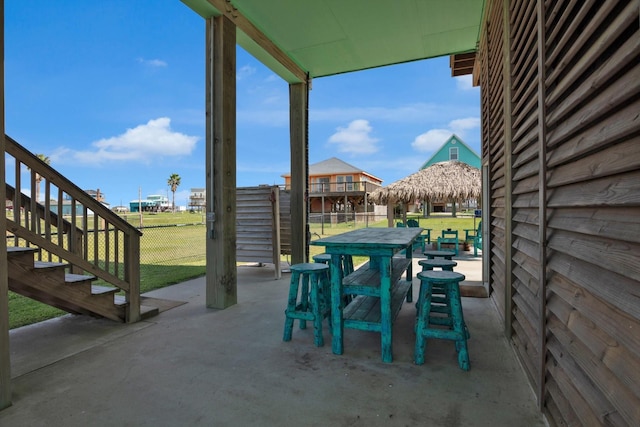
<point>196,366</point>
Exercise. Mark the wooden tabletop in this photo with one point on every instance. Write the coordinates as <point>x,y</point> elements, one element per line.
<point>372,237</point>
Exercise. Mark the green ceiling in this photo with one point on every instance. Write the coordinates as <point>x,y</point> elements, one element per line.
<point>326,37</point>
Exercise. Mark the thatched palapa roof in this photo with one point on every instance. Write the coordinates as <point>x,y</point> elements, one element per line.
<point>444,180</point>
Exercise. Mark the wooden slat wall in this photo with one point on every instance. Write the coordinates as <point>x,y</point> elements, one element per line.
<point>574,150</point>
<point>493,149</point>
<point>255,224</point>
<point>593,145</point>
<point>525,138</point>
<point>285,222</point>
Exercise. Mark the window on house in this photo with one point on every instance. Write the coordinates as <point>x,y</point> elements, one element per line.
<point>453,153</point>
<point>321,185</point>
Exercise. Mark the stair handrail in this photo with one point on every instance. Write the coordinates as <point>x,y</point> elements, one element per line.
<point>119,269</point>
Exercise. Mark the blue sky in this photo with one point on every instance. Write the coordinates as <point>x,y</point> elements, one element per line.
<point>113,93</point>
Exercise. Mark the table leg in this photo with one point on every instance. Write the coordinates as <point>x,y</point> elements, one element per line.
<point>337,323</point>
<point>386,337</point>
<point>409,275</point>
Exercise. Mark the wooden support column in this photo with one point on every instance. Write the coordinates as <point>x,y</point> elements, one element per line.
<point>5,365</point>
<point>508,173</point>
<point>222,274</point>
<point>298,96</point>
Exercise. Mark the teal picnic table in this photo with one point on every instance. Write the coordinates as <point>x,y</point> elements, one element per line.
<point>376,286</point>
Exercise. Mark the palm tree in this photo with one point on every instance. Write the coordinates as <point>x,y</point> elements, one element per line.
<point>174,182</point>
<point>39,178</point>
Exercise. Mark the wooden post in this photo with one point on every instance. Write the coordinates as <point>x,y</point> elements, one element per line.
<point>132,275</point>
<point>275,199</point>
<point>5,365</point>
<point>298,134</point>
<point>390,214</point>
<point>221,270</point>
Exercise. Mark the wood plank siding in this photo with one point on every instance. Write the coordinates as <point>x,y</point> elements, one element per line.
<point>258,225</point>
<point>561,140</point>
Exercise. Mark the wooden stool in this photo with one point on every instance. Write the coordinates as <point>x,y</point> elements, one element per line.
<point>458,333</point>
<point>441,254</point>
<point>315,299</point>
<point>439,302</point>
<point>347,262</point>
<point>322,258</point>
<point>347,268</point>
<point>444,264</point>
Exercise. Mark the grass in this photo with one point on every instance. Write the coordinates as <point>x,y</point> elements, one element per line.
<point>166,259</point>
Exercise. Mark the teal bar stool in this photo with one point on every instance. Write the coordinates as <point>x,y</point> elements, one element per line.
<point>309,299</point>
<point>457,331</point>
<point>347,262</point>
<point>347,268</point>
<point>430,264</point>
<point>439,254</point>
<point>439,302</point>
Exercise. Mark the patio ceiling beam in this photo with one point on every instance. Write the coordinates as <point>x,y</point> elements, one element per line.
<point>227,9</point>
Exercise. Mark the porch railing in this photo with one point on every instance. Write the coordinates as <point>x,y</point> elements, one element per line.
<point>70,226</point>
<point>340,187</point>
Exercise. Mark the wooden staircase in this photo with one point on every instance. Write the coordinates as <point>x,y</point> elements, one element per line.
<point>57,247</point>
<point>50,283</point>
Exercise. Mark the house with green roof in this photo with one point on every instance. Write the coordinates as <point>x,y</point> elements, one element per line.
<point>454,149</point>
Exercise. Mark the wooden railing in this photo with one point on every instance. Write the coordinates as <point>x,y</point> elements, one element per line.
<point>340,187</point>
<point>70,226</point>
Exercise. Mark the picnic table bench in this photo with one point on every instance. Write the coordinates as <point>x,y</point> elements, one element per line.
<point>364,311</point>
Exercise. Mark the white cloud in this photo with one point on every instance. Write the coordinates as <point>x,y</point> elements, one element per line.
<point>244,72</point>
<point>433,139</point>
<point>460,126</point>
<point>464,82</point>
<point>143,143</point>
<point>355,138</point>
<point>155,63</point>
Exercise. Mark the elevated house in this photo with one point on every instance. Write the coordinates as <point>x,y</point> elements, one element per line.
<point>453,148</point>
<point>197,199</point>
<point>335,187</point>
<point>153,203</point>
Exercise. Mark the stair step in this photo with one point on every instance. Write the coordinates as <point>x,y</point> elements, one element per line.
<point>78,278</point>
<point>43,265</point>
<point>103,290</point>
<point>16,250</point>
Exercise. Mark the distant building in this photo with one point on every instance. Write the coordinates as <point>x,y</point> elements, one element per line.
<point>454,148</point>
<point>153,203</point>
<point>197,200</point>
<point>340,186</point>
<point>96,194</point>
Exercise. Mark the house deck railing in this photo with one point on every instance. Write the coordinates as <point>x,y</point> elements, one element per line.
<point>340,187</point>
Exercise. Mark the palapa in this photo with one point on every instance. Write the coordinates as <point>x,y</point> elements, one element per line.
<point>444,180</point>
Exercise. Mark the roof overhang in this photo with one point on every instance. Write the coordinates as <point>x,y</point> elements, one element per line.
<point>316,38</point>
